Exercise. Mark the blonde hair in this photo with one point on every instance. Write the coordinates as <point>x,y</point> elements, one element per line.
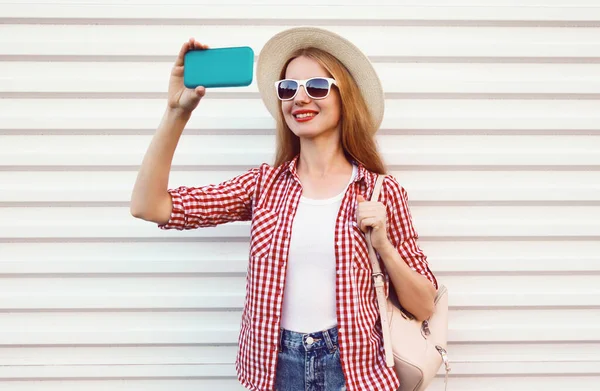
<point>357,125</point>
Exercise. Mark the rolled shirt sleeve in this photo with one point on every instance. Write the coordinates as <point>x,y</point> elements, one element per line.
<point>401,230</point>
<point>211,205</point>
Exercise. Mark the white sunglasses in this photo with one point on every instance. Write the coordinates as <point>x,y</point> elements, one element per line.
<point>315,87</point>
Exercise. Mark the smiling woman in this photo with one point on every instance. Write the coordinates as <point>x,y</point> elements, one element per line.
<point>310,319</point>
<point>356,122</point>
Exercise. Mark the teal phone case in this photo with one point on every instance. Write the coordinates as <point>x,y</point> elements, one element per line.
<point>218,67</point>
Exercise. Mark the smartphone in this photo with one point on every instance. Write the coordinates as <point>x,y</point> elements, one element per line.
<point>218,67</point>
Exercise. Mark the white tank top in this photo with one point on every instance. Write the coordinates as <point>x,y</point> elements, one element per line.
<point>309,302</point>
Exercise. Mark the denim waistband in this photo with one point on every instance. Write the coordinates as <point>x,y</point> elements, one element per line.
<point>326,339</point>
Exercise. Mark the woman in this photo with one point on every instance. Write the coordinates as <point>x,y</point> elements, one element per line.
<point>310,318</point>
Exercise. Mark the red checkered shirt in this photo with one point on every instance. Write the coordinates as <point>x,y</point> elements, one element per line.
<point>269,196</point>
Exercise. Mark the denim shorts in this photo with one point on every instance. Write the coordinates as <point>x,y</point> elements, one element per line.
<point>309,362</point>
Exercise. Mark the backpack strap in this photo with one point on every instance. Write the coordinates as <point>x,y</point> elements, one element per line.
<point>378,283</point>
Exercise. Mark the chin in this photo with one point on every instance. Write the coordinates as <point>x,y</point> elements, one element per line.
<point>306,132</point>
<point>311,130</point>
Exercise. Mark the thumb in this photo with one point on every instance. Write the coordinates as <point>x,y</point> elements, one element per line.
<point>200,91</point>
<point>361,198</point>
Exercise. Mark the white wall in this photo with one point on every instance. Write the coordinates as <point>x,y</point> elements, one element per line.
<point>492,125</point>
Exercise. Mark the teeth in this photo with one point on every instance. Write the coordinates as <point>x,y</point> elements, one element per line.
<point>305,115</point>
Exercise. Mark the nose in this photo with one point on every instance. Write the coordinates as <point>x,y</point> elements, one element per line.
<point>301,96</point>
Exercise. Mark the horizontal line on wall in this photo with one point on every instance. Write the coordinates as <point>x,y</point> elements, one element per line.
<point>129,345</point>
<point>519,375</point>
<point>256,95</point>
<point>244,239</point>
<point>65,204</point>
<point>170,363</point>
<point>111,168</point>
<point>102,275</point>
<point>113,204</point>
<point>523,308</point>
<point>512,273</point>
<point>307,21</point>
<point>233,378</point>
<point>540,203</point>
<point>182,168</point>
<point>119,310</point>
<point>375,59</point>
<point>510,238</point>
<point>271,132</point>
<point>519,343</point>
<point>150,275</point>
<point>118,95</point>
<point>470,132</point>
<point>492,168</point>
<point>105,378</point>
<point>125,239</point>
<point>143,132</point>
<point>509,273</point>
<point>224,344</point>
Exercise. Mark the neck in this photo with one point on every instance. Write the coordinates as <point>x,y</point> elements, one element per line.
<point>322,156</point>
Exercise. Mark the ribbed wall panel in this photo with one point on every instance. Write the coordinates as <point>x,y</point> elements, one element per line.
<point>492,125</point>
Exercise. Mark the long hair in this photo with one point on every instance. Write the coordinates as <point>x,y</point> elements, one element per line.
<point>357,126</point>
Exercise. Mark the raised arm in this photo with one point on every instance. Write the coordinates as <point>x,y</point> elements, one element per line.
<point>150,199</point>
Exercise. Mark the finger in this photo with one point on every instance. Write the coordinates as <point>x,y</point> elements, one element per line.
<point>361,198</point>
<point>366,209</point>
<point>361,224</point>
<point>363,209</point>
<point>368,222</point>
<point>177,70</point>
<point>200,91</point>
<point>364,225</point>
<point>196,45</point>
<point>371,208</point>
<point>182,52</point>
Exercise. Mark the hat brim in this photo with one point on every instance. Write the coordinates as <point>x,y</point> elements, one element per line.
<point>278,50</point>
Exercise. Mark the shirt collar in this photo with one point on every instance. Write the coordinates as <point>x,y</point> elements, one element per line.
<point>293,165</point>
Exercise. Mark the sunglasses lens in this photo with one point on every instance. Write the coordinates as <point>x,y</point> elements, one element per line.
<point>317,88</point>
<point>287,89</point>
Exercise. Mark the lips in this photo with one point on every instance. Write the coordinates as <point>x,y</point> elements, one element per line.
<point>304,115</point>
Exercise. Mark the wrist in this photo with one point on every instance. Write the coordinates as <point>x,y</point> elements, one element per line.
<point>178,114</point>
<point>387,248</point>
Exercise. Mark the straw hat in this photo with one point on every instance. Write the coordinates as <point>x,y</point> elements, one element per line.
<point>278,50</point>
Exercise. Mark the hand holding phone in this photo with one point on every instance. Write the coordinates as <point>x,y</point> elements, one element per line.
<point>219,67</point>
<point>180,97</point>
